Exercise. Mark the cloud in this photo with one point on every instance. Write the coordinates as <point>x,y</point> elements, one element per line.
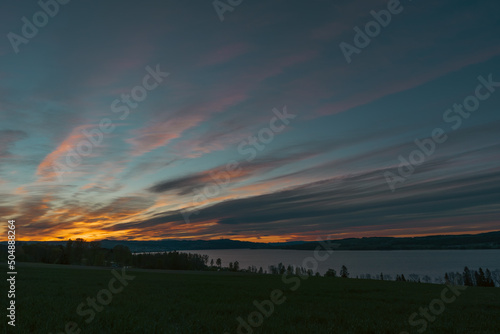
<point>158,134</point>
<point>46,168</point>
<point>324,173</point>
<point>351,201</point>
<point>187,184</point>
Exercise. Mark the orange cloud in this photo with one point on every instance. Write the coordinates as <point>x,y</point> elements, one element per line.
<point>160,134</point>
<point>46,169</point>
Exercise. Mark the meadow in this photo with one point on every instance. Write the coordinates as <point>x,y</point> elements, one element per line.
<point>154,301</point>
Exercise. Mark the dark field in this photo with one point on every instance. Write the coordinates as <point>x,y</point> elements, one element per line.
<point>47,297</point>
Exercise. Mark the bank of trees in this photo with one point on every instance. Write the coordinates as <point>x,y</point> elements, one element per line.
<point>77,252</point>
<point>469,277</point>
<point>170,260</point>
<point>81,252</point>
<point>475,278</point>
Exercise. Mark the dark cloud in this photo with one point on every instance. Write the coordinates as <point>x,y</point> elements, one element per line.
<point>358,200</point>
<point>182,185</point>
<point>123,206</point>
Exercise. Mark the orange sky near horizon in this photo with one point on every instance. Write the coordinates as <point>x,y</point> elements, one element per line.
<point>96,236</point>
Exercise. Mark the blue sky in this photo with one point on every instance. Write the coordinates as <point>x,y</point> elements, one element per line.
<point>178,162</point>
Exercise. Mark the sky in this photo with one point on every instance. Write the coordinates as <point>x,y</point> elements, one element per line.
<point>263,121</point>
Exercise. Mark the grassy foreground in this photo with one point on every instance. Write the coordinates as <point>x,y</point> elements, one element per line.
<point>47,297</point>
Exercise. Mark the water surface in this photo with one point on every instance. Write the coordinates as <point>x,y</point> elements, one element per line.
<point>434,263</point>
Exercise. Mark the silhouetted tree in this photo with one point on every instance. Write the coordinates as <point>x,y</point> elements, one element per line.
<point>343,272</point>
<point>331,273</point>
<point>169,260</point>
<point>489,279</point>
<point>457,278</point>
<point>495,277</point>
<point>122,255</point>
<point>467,277</point>
<point>480,278</point>
<point>79,248</point>
<point>66,257</point>
<point>281,268</point>
<point>92,251</point>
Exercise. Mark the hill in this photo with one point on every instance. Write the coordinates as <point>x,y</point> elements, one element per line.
<point>489,240</point>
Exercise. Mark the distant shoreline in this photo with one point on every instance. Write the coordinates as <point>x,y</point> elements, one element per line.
<point>482,241</point>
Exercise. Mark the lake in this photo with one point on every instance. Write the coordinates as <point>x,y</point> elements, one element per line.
<point>434,263</point>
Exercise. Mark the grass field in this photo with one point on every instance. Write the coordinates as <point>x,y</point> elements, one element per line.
<point>47,298</point>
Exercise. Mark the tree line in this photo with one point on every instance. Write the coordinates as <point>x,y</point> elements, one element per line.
<point>82,252</point>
